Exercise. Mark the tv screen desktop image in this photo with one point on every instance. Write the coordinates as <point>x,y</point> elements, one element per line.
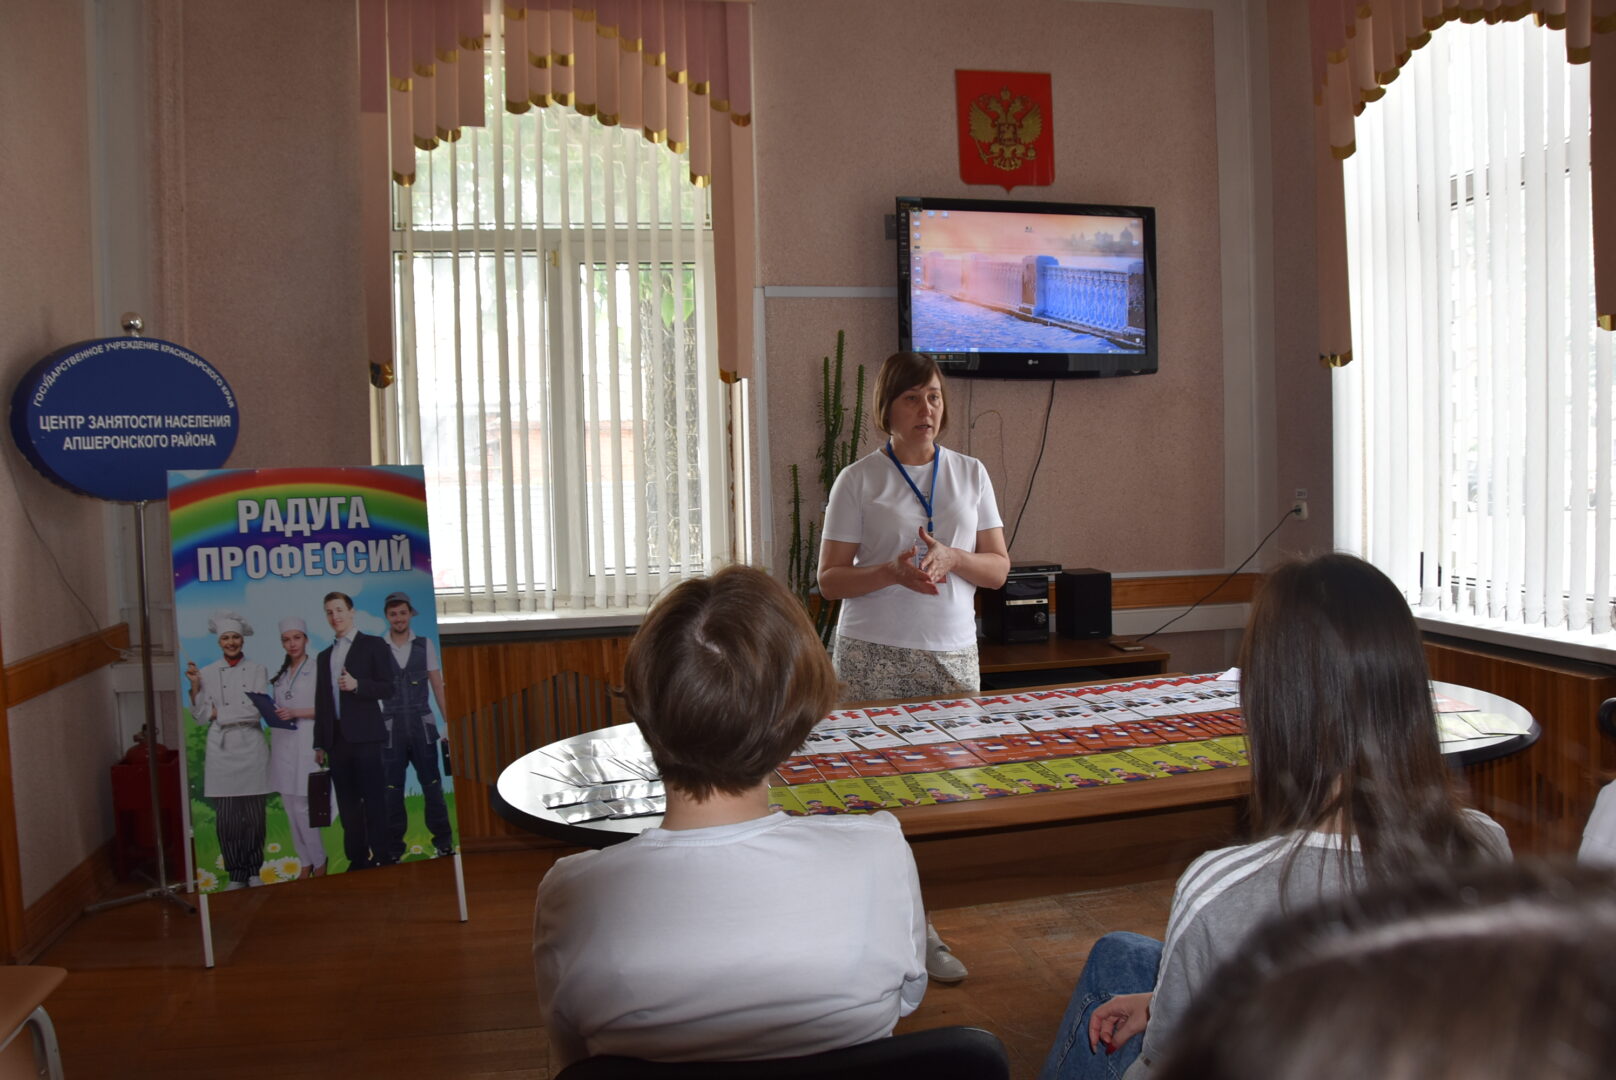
<point>993,283</point>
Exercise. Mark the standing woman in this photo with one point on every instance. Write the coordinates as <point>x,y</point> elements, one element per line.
<point>911,532</point>
<point>291,750</point>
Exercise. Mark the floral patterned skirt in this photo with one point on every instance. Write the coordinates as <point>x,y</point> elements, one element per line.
<point>871,672</point>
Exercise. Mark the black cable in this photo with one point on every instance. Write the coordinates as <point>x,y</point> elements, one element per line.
<point>1043,441</point>
<point>1227,578</point>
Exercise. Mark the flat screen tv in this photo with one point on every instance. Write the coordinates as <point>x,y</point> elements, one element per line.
<point>999,289</point>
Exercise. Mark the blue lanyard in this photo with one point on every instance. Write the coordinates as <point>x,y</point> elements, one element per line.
<point>925,503</point>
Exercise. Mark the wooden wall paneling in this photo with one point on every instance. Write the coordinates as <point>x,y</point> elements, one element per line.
<point>65,901</point>
<point>957,871</point>
<point>45,671</point>
<point>483,679</point>
<point>1181,591</point>
<point>22,681</point>
<point>1543,795</point>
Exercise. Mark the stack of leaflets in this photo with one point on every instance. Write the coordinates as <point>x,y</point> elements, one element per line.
<point>992,746</point>
<point>997,746</point>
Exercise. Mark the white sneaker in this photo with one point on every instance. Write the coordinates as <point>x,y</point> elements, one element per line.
<point>254,881</point>
<point>233,886</point>
<point>941,963</point>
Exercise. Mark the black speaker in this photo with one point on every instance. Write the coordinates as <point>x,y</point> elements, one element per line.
<point>1083,603</point>
<point>1017,612</point>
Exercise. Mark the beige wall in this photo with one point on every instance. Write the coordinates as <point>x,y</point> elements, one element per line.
<point>62,742</point>
<point>1301,386</point>
<point>253,247</point>
<point>259,228</point>
<point>251,252</point>
<point>856,106</point>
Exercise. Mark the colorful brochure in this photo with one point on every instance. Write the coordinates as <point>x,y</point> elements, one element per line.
<point>1125,767</point>
<point>1042,720</point>
<point>860,796</point>
<point>826,742</point>
<point>987,782</point>
<point>1445,704</point>
<point>1223,723</point>
<point>918,732</point>
<point>935,757</point>
<point>900,791</point>
<point>1171,761</point>
<point>974,726</point>
<point>994,751</point>
<point>871,763</point>
<point>1080,772</point>
<point>1032,776</point>
<point>786,802</point>
<point>943,787</point>
<point>1227,752</point>
<point>819,798</point>
<point>833,766</point>
<point>885,714</point>
<point>1143,732</point>
<point>873,738</point>
<point>799,770</point>
<point>843,718</point>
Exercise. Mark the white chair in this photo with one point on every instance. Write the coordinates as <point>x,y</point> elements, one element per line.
<point>27,1036</point>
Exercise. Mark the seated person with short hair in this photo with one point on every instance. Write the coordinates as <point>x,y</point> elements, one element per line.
<point>729,933</point>
<point>1486,973</point>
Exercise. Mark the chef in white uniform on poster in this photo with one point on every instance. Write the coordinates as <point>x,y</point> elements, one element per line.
<point>235,777</point>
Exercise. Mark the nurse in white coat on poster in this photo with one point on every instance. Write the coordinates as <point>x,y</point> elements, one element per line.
<point>291,750</point>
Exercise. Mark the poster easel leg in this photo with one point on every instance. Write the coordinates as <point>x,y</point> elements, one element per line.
<point>207,930</point>
<point>162,888</point>
<point>460,884</point>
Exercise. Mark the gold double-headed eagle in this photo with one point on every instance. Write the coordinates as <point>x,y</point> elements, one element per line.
<point>1004,127</point>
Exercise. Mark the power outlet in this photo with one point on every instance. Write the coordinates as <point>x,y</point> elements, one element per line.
<point>1299,505</point>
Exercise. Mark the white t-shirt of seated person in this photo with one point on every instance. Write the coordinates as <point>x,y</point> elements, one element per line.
<point>774,937</point>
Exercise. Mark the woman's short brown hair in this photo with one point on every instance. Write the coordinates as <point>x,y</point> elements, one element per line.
<point>725,678</point>
<point>900,372</point>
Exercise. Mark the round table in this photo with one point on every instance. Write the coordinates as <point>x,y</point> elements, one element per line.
<point>518,795</point>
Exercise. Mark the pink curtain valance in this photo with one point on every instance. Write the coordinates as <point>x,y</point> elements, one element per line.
<point>673,69</point>
<point>676,70</point>
<point>1358,48</point>
<point>679,71</point>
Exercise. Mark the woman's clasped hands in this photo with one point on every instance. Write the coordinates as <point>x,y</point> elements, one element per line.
<point>934,568</point>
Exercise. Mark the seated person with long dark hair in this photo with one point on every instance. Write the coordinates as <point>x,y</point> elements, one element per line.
<point>1490,973</point>
<point>729,933</point>
<point>1348,789</point>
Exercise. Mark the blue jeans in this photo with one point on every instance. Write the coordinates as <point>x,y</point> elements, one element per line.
<point>1119,963</point>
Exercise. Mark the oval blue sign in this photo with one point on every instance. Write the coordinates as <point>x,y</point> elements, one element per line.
<point>110,417</point>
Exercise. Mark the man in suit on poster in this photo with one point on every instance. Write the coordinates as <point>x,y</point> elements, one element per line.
<point>353,676</point>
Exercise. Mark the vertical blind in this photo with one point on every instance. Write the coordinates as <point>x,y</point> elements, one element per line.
<point>552,283</point>
<point>1473,438</point>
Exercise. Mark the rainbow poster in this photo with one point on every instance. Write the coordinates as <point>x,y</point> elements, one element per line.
<point>310,686</point>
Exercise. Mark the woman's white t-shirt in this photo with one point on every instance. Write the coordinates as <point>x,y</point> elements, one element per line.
<point>872,506</point>
<point>775,937</point>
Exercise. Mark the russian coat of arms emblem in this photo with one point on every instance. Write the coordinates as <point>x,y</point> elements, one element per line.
<point>1006,136</point>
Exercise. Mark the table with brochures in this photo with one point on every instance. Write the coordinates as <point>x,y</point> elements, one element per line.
<point>991,763</point>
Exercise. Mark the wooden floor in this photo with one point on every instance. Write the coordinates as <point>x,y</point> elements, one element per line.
<point>373,974</point>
